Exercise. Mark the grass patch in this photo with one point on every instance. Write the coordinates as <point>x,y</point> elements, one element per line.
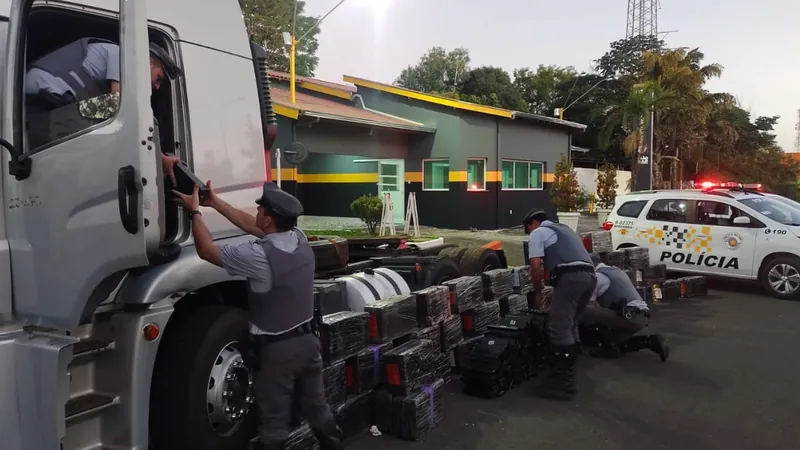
<point>358,233</point>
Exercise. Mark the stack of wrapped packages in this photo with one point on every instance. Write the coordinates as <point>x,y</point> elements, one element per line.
<point>467,300</point>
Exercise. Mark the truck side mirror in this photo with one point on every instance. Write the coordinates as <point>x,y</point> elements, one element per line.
<point>100,108</point>
<point>741,220</point>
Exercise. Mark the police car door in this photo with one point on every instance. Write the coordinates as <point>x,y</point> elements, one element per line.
<point>730,246</point>
<point>88,210</point>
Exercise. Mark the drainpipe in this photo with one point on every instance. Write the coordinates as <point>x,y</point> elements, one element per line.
<point>499,165</point>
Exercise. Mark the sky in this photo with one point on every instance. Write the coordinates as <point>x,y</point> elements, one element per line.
<point>757,42</point>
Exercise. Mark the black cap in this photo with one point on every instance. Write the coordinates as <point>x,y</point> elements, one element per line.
<point>171,68</point>
<point>280,202</point>
<point>534,214</point>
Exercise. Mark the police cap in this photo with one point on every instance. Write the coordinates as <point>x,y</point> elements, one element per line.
<point>279,202</point>
<point>534,214</point>
<point>171,68</point>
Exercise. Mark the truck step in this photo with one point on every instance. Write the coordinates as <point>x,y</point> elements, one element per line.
<point>86,346</point>
<point>87,403</point>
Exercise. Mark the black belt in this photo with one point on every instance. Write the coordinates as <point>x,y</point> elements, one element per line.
<point>561,270</point>
<point>630,313</point>
<point>298,331</point>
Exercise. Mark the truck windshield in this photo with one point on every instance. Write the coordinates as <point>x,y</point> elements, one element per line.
<point>775,210</point>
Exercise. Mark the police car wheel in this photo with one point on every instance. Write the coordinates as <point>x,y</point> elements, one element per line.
<point>781,277</point>
<point>202,396</point>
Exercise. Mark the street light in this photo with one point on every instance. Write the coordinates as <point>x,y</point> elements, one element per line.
<point>561,110</point>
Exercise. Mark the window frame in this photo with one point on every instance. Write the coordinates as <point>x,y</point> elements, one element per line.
<point>643,203</point>
<point>485,163</point>
<point>515,161</point>
<point>424,160</point>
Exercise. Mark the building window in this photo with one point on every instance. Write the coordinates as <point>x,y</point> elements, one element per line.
<point>435,175</point>
<point>476,174</point>
<point>522,175</point>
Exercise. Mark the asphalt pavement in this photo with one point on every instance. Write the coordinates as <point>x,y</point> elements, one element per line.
<point>732,383</point>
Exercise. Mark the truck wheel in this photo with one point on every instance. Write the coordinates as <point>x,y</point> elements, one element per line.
<point>436,251</point>
<point>478,260</point>
<point>202,394</point>
<point>781,277</point>
<point>456,253</point>
<point>330,252</point>
<point>442,270</point>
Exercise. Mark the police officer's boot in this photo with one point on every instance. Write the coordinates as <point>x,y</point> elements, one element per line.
<point>605,347</point>
<point>560,382</point>
<point>655,342</point>
<point>329,437</point>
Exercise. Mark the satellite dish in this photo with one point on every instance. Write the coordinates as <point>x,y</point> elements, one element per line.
<point>295,153</point>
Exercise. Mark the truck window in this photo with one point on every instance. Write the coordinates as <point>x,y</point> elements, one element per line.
<point>668,210</point>
<point>632,208</point>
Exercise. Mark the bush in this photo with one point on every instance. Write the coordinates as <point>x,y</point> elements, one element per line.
<point>606,186</point>
<point>565,191</point>
<point>369,209</point>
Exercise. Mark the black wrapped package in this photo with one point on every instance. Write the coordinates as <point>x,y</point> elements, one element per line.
<point>451,333</point>
<point>694,286</point>
<point>432,334</point>
<point>409,417</point>
<point>441,367</point>
<point>465,293</point>
<point>514,303</point>
<point>615,258</point>
<point>333,377</point>
<point>476,321</point>
<point>595,258</point>
<point>671,290</point>
<point>410,367</point>
<point>433,305</point>
<point>656,273</point>
<point>302,438</point>
<point>498,283</point>
<point>489,373</point>
<point>521,329</point>
<point>343,335</point>
<point>367,370</point>
<point>331,296</point>
<point>601,241</point>
<point>355,415</point>
<point>391,318</point>
<point>522,280</point>
<point>461,353</point>
<point>637,257</point>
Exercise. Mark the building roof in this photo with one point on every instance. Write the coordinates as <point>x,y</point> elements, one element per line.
<point>310,106</point>
<point>339,90</point>
<point>461,105</point>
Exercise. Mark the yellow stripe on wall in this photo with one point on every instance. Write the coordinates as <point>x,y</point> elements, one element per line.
<point>456,176</point>
<point>413,177</point>
<point>286,174</point>
<point>492,176</point>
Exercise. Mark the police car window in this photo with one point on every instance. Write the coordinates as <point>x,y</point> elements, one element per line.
<point>717,213</point>
<point>774,210</point>
<point>631,209</point>
<point>668,210</point>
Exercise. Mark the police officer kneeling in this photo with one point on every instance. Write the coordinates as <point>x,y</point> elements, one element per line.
<point>573,279</point>
<point>279,268</point>
<point>621,313</point>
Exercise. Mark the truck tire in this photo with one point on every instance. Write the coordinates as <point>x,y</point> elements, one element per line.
<point>456,253</point>
<point>330,252</point>
<point>442,270</point>
<point>436,251</point>
<point>194,357</point>
<point>774,269</point>
<point>478,260</point>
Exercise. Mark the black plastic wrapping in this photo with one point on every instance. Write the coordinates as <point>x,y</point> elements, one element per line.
<point>331,296</point>
<point>694,286</point>
<point>601,241</point>
<point>367,370</point>
<point>343,335</point>
<point>656,273</point>
<point>433,305</point>
<point>671,290</point>
<point>615,258</point>
<point>595,258</point>
<point>465,293</point>
<point>476,321</point>
<point>514,303</point>
<point>637,257</point>
<point>410,366</point>
<point>497,284</point>
<point>432,334</point>
<point>489,370</point>
<point>355,415</point>
<point>452,333</point>
<point>333,377</point>
<point>302,438</point>
<point>523,330</point>
<point>522,280</point>
<point>409,417</point>
<point>441,367</point>
<point>461,353</point>
<point>392,318</point>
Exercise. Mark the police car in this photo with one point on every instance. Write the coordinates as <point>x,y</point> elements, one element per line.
<point>726,230</point>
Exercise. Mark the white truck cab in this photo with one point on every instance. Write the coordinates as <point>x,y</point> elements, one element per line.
<point>729,232</point>
<point>113,333</point>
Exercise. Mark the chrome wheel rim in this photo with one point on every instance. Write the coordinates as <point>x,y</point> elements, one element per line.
<point>230,391</point>
<point>784,279</point>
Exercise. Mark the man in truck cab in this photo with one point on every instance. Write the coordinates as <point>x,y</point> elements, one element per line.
<point>279,267</point>
<point>85,69</point>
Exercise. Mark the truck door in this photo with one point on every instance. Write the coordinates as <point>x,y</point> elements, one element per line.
<point>87,211</point>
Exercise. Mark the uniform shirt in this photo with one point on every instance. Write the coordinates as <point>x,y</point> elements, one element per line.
<point>603,283</point>
<point>102,63</point>
<point>542,238</point>
<point>249,260</point>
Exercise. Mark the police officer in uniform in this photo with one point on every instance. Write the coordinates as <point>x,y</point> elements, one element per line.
<point>561,251</point>
<point>279,267</point>
<point>620,313</point>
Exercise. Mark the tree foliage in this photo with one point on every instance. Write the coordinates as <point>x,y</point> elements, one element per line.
<point>606,185</point>
<point>539,88</point>
<point>438,71</point>
<point>368,208</point>
<point>565,190</point>
<point>266,21</point>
